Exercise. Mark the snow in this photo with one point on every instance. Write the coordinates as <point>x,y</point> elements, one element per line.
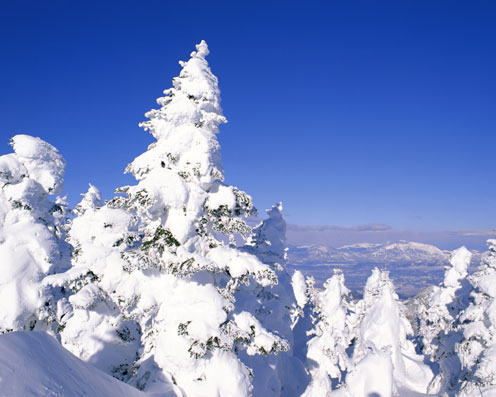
<point>91,199</point>
<point>161,258</point>
<point>11,169</point>
<point>261,338</point>
<point>402,252</point>
<point>42,161</point>
<point>327,359</point>
<point>460,260</point>
<point>31,245</point>
<point>359,246</point>
<point>221,195</point>
<point>299,288</point>
<point>372,376</point>
<point>240,263</point>
<point>384,327</point>
<point>413,266</point>
<point>437,312</point>
<point>476,344</point>
<point>277,371</point>
<point>166,288</point>
<point>34,364</point>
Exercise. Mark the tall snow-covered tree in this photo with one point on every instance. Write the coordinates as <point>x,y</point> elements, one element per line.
<point>302,319</point>
<point>31,231</point>
<point>383,332</point>
<point>327,356</point>
<point>282,374</point>
<point>477,350</point>
<point>183,275</point>
<point>437,313</point>
<point>90,322</point>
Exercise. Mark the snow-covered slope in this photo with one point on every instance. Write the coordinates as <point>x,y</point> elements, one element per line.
<point>35,364</point>
<point>410,252</point>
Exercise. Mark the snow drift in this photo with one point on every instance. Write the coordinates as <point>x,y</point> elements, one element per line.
<point>35,364</point>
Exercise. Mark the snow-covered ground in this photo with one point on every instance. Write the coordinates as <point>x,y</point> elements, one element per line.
<point>35,364</point>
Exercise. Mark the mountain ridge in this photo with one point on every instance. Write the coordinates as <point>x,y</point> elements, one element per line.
<point>401,252</point>
<point>413,266</point>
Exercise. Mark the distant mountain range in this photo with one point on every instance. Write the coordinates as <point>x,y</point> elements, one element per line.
<point>413,266</point>
<point>400,253</point>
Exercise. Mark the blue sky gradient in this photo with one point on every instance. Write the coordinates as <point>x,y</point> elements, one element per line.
<point>350,112</point>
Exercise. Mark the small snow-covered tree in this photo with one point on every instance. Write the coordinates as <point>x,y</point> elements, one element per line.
<point>327,356</point>
<point>282,374</point>
<point>90,322</point>
<point>372,376</point>
<point>183,276</point>
<point>437,313</point>
<point>383,332</point>
<point>477,350</point>
<point>31,232</point>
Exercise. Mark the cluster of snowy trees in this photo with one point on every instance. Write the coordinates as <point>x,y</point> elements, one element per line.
<point>166,286</point>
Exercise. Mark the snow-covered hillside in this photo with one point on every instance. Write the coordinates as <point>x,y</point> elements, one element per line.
<point>413,266</point>
<point>35,364</point>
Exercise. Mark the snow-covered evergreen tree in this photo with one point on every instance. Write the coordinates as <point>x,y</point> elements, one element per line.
<point>302,318</point>
<point>383,333</point>
<point>31,231</point>
<point>282,374</point>
<point>477,350</point>
<point>183,276</point>
<point>437,313</point>
<point>327,356</point>
<point>90,323</point>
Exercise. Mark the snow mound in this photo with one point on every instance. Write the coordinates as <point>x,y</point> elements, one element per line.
<point>43,162</point>
<point>35,364</point>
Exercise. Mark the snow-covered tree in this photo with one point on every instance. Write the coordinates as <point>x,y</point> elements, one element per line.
<point>90,323</point>
<point>383,333</point>
<point>302,318</point>
<point>31,231</point>
<point>372,376</point>
<point>282,374</point>
<point>437,313</point>
<point>477,350</point>
<point>327,356</point>
<point>183,275</point>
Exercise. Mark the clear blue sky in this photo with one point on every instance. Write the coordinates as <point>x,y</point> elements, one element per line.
<point>350,112</point>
